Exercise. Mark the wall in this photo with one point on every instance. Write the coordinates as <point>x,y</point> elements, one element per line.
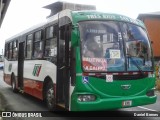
<point>153,28</point>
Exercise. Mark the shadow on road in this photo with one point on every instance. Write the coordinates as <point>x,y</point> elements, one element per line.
<point>24,99</point>
<point>3,103</point>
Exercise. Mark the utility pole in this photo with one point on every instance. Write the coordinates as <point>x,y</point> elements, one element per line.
<point>3,9</point>
<point>0,8</point>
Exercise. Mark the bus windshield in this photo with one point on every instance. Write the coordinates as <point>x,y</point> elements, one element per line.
<point>110,46</point>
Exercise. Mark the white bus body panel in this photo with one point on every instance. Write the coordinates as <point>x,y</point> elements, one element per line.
<point>47,69</point>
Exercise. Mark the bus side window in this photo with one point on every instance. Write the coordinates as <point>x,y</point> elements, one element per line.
<point>10,51</point>
<point>38,45</point>
<point>29,46</point>
<point>15,50</point>
<point>6,50</point>
<point>50,50</point>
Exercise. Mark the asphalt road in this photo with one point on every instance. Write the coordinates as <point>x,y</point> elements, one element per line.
<point>23,102</point>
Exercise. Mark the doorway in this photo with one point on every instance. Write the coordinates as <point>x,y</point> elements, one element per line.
<point>21,64</point>
<point>63,68</point>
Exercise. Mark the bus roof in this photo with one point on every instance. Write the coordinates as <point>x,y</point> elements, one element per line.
<point>25,31</point>
<point>94,15</point>
<point>78,16</point>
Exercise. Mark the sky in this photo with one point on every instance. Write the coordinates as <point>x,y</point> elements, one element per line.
<point>23,14</point>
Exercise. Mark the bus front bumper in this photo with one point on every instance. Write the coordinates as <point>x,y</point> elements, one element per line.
<point>112,103</point>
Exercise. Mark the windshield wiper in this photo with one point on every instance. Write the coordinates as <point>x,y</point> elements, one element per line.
<point>135,64</point>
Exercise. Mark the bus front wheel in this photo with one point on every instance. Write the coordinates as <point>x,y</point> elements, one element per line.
<point>50,98</point>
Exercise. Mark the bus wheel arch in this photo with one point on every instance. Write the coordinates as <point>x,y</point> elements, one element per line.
<point>49,93</point>
<point>13,83</point>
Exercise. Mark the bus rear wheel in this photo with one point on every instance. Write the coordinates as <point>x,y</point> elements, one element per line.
<point>14,89</point>
<point>50,98</point>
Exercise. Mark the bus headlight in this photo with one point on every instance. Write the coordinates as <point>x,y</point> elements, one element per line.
<point>86,98</point>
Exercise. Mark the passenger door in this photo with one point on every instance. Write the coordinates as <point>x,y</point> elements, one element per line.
<point>63,72</point>
<point>21,64</point>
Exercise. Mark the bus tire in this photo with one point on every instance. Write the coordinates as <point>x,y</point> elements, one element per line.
<point>50,96</point>
<point>14,89</point>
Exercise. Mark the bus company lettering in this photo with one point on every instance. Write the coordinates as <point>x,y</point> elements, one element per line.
<point>128,19</point>
<point>98,64</point>
<point>94,59</point>
<point>101,16</point>
<point>96,31</point>
<point>94,68</point>
<point>112,17</point>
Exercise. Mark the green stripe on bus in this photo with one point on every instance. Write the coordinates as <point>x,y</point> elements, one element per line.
<point>35,69</point>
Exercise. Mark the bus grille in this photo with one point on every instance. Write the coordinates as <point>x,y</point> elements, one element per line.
<point>125,77</point>
<point>129,77</point>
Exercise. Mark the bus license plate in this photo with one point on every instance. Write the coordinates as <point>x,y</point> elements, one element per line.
<point>127,103</point>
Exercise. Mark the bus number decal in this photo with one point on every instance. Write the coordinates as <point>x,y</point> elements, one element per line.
<point>115,54</point>
<point>109,78</point>
<point>36,70</point>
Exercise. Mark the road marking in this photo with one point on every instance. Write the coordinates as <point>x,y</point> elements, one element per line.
<point>146,108</point>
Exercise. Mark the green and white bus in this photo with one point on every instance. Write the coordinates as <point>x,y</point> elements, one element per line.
<point>82,60</point>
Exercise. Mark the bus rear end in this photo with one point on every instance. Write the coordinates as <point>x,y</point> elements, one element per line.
<point>114,66</point>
